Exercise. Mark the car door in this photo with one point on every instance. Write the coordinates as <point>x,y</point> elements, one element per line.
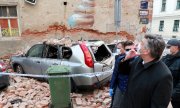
<point>32,62</point>
<point>51,57</point>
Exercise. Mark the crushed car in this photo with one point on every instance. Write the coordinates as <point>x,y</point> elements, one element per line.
<point>4,79</point>
<point>82,57</point>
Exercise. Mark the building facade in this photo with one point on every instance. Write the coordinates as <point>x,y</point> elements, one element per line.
<point>166,18</point>
<point>23,21</point>
<point>17,16</point>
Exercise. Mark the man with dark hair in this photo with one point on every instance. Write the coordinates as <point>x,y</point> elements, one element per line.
<point>150,80</point>
<point>118,82</point>
<point>172,60</point>
<point>120,49</point>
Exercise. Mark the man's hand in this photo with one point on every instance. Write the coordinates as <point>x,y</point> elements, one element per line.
<point>111,92</point>
<point>131,54</point>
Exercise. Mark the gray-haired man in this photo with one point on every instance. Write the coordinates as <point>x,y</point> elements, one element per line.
<point>150,80</point>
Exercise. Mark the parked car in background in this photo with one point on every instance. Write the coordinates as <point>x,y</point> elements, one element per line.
<point>82,57</point>
<point>4,79</point>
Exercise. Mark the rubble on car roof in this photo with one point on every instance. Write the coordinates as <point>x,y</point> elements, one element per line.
<point>63,41</point>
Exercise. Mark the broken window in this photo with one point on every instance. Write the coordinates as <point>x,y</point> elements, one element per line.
<point>66,52</point>
<point>52,52</point>
<point>101,53</point>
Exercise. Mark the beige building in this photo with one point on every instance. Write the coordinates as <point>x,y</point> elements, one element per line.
<point>18,17</point>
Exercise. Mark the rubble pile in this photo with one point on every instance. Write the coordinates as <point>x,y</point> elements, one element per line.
<point>63,41</point>
<point>98,99</point>
<point>29,93</point>
<point>25,93</point>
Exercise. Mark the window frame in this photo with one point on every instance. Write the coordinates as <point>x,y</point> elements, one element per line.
<point>178,4</point>
<point>163,6</point>
<point>10,31</point>
<point>161,25</point>
<point>8,12</point>
<point>176,26</point>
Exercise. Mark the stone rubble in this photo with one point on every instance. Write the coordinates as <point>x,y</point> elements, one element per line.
<point>29,93</point>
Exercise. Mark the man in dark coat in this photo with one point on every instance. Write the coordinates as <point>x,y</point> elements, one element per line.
<point>172,60</point>
<point>150,80</point>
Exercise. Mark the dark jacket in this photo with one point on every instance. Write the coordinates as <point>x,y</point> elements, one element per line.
<point>149,86</point>
<point>118,79</point>
<point>173,62</point>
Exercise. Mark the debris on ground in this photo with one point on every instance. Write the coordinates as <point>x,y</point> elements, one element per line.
<point>99,98</point>
<point>29,93</point>
<point>25,93</point>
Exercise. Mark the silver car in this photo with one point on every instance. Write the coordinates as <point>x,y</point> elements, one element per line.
<point>84,57</point>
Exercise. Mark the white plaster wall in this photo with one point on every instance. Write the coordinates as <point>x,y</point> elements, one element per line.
<point>170,14</point>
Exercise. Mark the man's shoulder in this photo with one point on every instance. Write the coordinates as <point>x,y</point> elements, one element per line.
<point>162,68</point>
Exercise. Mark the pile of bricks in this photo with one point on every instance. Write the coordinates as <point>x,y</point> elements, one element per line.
<point>97,99</point>
<point>29,93</point>
<point>25,93</point>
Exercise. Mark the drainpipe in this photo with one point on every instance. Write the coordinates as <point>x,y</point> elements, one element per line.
<point>117,15</point>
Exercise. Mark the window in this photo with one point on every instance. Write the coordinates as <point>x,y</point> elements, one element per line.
<point>8,21</point>
<point>3,11</point>
<point>36,51</point>
<point>178,4</point>
<point>176,26</point>
<point>12,11</point>
<point>163,8</point>
<point>52,52</point>
<point>161,25</point>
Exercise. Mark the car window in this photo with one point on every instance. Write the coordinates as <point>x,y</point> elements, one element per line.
<point>112,47</point>
<point>102,53</point>
<point>52,52</point>
<point>36,51</point>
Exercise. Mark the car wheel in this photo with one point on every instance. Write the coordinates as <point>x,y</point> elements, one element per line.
<point>19,69</point>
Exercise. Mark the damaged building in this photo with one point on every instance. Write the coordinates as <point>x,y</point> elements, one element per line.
<point>23,17</point>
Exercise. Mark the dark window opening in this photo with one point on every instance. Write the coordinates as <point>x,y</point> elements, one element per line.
<point>52,52</point>
<point>12,11</point>
<point>3,11</point>
<point>66,52</point>
<point>176,26</point>
<point>163,8</point>
<point>161,26</point>
<point>31,1</point>
<point>178,4</point>
<point>102,53</point>
<point>65,3</point>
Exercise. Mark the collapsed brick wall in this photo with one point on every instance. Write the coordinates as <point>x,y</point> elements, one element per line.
<point>30,38</point>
